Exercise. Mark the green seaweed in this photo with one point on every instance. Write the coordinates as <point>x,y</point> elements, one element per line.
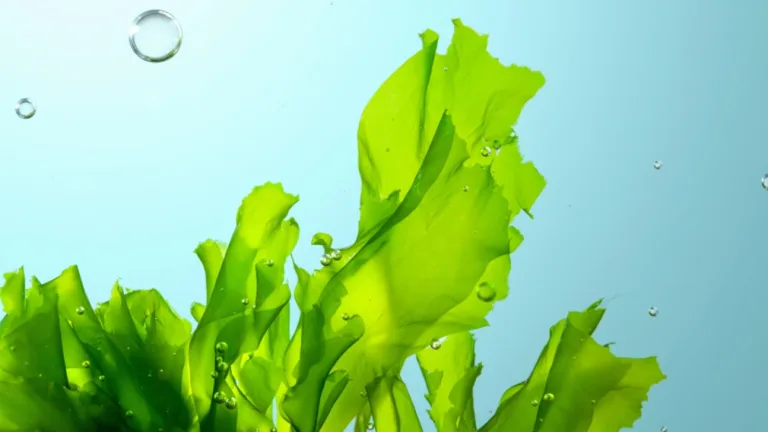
<point>442,179</point>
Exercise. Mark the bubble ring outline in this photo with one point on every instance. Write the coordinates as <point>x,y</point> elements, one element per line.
<point>20,103</point>
<point>132,35</point>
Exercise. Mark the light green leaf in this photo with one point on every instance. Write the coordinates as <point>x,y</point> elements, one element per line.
<point>577,385</point>
<point>450,373</point>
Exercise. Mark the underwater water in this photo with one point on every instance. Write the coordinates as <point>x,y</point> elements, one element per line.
<point>120,154</point>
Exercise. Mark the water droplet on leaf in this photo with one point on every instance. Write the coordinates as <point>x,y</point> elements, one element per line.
<point>436,344</point>
<point>549,397</point>
<point>534,403</point>
<point>465,189</point>
<point>325,260</point>
<point>86,364</point>
<point>221,347</point>
<point>80,310</point>
<point>219,397</point>
<point>485,151</point>
<point>129,413</point>
<point>102,377</point>
<point>244,301</point>
<point>345,316</point>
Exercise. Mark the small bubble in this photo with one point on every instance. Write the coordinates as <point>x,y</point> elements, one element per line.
<point>80,310</point>
<point>244,301</point>
<point>25,108</point>
<point>486,292</point>
<point>102,378</point>
<point>345,316</point>
<point>485,151</point>
<point>549,397</point>
<point>436,344</point>
<point>325,260</point>
<point>86,364</point>
<point>231,403</point>
<point>335,254</point>
<point>221,347</point>
<point>534,403</point>
<point>764,182</point>
<point>270,263</point>
<point>653,311</point>
<point>129,413</point>
<point>155,36</point>
<point>465,188</point>
<point>657,165</point>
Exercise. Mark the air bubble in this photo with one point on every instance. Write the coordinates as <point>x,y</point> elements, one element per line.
<point>25,108</point>
<point>486,292</point>
<point>155,36</point>
<point>231,403</point>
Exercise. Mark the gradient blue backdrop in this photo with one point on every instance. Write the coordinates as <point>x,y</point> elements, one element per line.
<point>127,165</point>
